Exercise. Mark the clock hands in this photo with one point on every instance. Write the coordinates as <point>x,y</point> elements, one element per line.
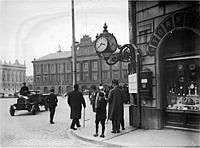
<point>101,45</point>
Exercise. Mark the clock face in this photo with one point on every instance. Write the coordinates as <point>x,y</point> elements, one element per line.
<point>112,43</point>
<point>101,44</point>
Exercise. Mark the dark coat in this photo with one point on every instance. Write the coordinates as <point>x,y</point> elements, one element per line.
<point>52,100</point>
<point>101,109</point>
<point>115,99</point>
<point>75,101</point>
<point>24,91</point>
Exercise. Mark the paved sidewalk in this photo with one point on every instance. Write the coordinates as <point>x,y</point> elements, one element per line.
<point>132,137</point>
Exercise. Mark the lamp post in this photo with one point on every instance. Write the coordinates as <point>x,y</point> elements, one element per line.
<point>107,48</point>
<point>73,46</point>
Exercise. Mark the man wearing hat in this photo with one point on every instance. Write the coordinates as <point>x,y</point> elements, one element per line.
<point>115,111</point>
<point>75,101</point>
<point>52,103</point>
<point>24,91</point>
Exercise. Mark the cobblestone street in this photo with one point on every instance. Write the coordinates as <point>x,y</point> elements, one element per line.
<point>25,129</point>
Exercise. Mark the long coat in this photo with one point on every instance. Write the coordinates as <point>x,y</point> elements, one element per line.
<point>52,100</point>
<point>75,101</point>
<point>115,99</point>
<point>101,107</point>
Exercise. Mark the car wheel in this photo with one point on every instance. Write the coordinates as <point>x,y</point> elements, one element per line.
<point>12,111</point>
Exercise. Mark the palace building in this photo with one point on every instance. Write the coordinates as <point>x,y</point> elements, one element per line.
<point>12,75</point>
<point>168,34</point>
<point>55,69</point>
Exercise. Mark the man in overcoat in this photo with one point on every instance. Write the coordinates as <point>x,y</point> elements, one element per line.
<point>24,91</point>
<point>115,111</point>
<point>75,101</point>
<point>52,103</point>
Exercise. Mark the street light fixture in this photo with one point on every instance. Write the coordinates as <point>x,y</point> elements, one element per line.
<point>107,48</point>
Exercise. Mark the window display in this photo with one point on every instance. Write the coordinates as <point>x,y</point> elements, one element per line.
<point>183,85</point>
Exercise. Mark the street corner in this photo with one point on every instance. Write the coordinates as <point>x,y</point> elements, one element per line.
<point>86,134</point>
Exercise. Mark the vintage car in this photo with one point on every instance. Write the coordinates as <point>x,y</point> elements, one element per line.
<point>30,103</point>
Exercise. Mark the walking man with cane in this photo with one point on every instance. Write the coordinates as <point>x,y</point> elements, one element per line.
<point>75,101</point>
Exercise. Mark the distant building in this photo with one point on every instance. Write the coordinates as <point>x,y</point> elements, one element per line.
<point>29,82</point>
<point>11,77</point>
<point>55,69</point>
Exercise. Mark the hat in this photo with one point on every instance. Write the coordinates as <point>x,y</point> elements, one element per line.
<point>100,87</point>
<point>115,82</point>
<point>52,90</point>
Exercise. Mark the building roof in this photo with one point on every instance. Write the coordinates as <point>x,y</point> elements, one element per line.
<point>54,56</point>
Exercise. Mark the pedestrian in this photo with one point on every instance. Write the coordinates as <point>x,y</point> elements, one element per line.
<point>75,101</point>
<point>115,99</point>
<point>24,91</point>
<point>52,103</point>
<point>92,97</point>
<point>100,109</point>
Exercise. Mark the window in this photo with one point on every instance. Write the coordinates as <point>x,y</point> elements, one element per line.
<point>68,67</point>
<point>8,76</point>
<point>4,76</point>
<point>60,68</point>
<point>94,66</point>
<point>78,67</point>
<point>45,66</point>
<point>37,79</point>
<point>116,74</point>
<point>68,79</point>
<point>78,77</point>
<point>52,68</point>
<point>85,76</point>
<point>106,75</point>
<point>182,85</point>
<point>45,79</point>
<point>38,68</point>
<point>94,76</point>
<point>12,76</point>
<point>85,66</point>
<point>125,74</point>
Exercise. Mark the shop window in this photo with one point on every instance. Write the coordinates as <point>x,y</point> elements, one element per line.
<point>183,85</point>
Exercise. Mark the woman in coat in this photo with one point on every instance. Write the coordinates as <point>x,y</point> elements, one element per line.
<point>75,101</point>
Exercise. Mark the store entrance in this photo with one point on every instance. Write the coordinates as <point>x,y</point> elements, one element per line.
<point>179,66</point>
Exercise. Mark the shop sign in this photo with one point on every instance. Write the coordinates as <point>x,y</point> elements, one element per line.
<point>170,23</point>
<point>132,83</point>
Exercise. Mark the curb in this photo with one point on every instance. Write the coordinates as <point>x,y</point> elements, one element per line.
<point>103,143</point>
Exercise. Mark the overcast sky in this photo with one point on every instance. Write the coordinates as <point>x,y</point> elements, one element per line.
<point>33,28</point>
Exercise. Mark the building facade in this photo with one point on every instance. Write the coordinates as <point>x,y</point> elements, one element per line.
<point>168,34</point>
<point>12,75</point>
<point>55,69</point>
